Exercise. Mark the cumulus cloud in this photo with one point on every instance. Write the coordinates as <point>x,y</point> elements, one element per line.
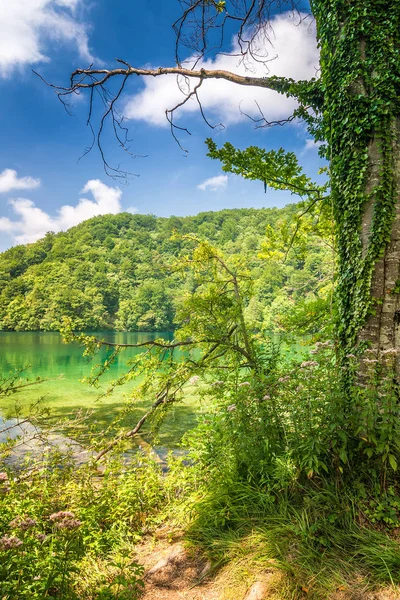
<point>214,183</point>
<point>9,181</point>
<point>33,223</point>
<point>27,27</point>
<point>293,44</point>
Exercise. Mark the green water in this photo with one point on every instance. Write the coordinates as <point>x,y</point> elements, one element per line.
<point>43,354</point>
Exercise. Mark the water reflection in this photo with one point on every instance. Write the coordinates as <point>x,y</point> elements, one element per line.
<point>48,356</point>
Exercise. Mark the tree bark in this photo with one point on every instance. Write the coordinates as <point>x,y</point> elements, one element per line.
<point>360,45</point>
<point>381,330</point>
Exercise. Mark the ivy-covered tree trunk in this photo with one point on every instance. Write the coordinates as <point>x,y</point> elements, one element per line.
<point>382,327</point>
<point>360,72</point>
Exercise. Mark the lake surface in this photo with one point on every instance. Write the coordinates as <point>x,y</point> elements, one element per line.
<point>43,354</point>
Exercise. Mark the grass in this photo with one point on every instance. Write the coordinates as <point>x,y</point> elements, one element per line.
<point>312,536</point>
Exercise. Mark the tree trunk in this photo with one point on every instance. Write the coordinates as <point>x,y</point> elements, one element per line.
<point>381,330</point>
<point>360,73</point>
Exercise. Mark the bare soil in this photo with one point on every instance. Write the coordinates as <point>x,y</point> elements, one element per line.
<point>174,572</point>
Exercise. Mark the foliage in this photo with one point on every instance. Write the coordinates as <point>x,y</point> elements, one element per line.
<point>268,410</point>
<point>282,459</point>
<point>288,475</point>
<point>117,271</point>
<point>66,533</point>
<point>360,78</point>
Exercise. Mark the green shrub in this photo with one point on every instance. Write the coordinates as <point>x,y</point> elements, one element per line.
<point>55,521</point>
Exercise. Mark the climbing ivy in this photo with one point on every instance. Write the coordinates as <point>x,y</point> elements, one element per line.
<point>352,108</point>
<point>360,77</point>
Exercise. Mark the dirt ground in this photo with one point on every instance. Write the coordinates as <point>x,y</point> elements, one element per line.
<point>173,572</point>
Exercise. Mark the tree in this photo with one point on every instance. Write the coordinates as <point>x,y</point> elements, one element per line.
<point>353,107</point>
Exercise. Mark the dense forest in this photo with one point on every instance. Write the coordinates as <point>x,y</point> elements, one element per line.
<point>117,272</point>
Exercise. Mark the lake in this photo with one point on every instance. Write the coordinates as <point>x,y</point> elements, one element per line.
<point>43,354</point>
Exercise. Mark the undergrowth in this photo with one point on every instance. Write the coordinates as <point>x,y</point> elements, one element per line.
<point>70,533</point>
<point>283,473</point>
<point>291,475</point>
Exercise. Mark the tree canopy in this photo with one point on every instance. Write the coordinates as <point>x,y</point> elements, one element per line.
<point>117,271</point>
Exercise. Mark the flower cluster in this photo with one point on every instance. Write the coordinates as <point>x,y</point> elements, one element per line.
<point>23,524</point>
<point>326,344</point>
<point>9,542</point>
<point>4,489</point>
<point>308,363</point>
<point>65,519</point>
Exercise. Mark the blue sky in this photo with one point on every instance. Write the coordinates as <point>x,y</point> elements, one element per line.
<point>43,184</point>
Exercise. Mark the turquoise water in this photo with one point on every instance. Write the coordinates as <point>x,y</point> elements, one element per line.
<point>43,354</point>
<point>47,356</point>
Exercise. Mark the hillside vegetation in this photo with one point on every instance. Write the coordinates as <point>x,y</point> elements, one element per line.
<point>117,272</point>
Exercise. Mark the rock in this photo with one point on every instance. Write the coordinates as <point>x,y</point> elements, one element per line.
<point>176,552</point>
<point>261,588</point>
<point>206,570</point>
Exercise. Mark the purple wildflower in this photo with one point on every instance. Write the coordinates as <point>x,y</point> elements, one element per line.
<point>62,514</point>
<point>23,524</point>
<point>65,519</point>
<point>3,476</point>
<point>323,344</point>
<point>8,542</point>
<point>244,384</point>
<point>231,407</point>
<point>68,524</point>
<point>308,363</point>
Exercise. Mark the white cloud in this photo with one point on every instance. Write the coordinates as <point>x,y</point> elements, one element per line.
<point>27,26</point>
<point>297,57</point>
<point>33,223</point>
<point>311,145</point>
<point>106,200</point>
<point>214,183</point>
<point>9,181</point>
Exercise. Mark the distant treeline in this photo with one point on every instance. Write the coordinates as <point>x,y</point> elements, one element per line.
<point>116,271</point>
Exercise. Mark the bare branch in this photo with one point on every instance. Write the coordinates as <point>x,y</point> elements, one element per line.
<point>167,395</point>
<point>262,122</point>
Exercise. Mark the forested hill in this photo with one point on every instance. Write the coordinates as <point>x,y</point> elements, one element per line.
<point>112,271</point>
